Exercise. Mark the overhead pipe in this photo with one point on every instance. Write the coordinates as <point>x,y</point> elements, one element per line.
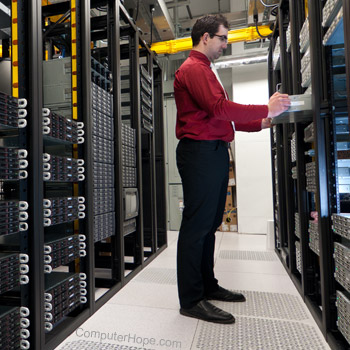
<point>234,36</point>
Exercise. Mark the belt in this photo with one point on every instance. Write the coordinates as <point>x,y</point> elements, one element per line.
<point>212,142</point>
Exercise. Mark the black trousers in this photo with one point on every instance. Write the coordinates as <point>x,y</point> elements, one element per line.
<point>203,167</point>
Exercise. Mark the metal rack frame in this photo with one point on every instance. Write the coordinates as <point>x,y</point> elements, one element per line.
<point>318,292</point>
<point>31,86</point>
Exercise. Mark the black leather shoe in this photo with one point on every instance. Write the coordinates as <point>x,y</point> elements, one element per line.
<point>223,294</point>
<point>206,311</point>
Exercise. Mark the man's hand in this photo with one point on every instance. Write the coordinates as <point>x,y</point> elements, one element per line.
<point>266,123</point>
<point>278,104</point>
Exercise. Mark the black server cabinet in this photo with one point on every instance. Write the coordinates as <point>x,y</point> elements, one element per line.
<point>16,290</point>
<point>82,159</point>
<point>66,295</point>
<point>309,57</point>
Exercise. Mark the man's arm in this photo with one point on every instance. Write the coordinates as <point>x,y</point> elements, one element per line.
<point>209,95</point>
<point>255,125</point>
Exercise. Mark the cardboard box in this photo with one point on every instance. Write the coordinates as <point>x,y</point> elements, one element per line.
<point>229,221</point>
<point>229,199</point>
<point>231,175</point>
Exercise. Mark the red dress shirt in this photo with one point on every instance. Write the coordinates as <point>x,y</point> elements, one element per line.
<point>203,112</point>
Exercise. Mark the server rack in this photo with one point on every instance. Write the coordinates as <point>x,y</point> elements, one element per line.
<point>66,291</point>
<point>311,62</point>
<point>131,118</point>
<point>105,155</point>
<point>55,203</point>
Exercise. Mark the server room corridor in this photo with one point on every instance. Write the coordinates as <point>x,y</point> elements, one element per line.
<point>145,313</point>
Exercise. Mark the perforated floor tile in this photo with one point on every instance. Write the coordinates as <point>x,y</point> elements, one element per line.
<point>91,345</point>
<point>157,275</point>
<point>257,334</point>
<point>267,305</point>
<point>247,255</point>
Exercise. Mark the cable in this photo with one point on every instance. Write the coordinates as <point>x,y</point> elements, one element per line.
<point>257,30</point>
<point>256,17</point>
<point>152,9</point>
<point>137,10</point>
<point>274,10</point>
<point>266,5</point>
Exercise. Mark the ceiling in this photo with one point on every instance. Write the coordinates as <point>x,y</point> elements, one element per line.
<point>181,15</point>
<point>175,18</point>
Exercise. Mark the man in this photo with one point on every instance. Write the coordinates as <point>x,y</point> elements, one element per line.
<point>206,121</point>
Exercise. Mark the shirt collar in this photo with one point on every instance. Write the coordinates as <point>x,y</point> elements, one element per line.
<point>200,56</point>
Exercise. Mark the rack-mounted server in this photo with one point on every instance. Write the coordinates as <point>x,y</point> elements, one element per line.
<point>342,275</point>
<point>104,226</point>
<point>314,239</point>
<point>341,224</point>
<point>342,268</point>
<point>329,11</point>
<point>102,126</point>
<point>13,271</point>
<point>57,126</point>
<point>103,150</point>
<point>343,320</point>
<point>12,112</point>
<point>60,250</point>
<point>13,163</point>
<point>103,155</point>
<point>103,175</point>
<point>104,200</point>
<point>310,174</point>
<point>342,255</point>
<point>100,75</point>
<point>101,100</point>
<point>335,32</point>
<point>306,69</point>
<point>64,292</point>
<point>129,226</point>
<point>129,170</point>
<point>128,136</point>
<point>13,217</point>
<point>63,209</point>
<point>304,36</point>
<point>129,178</point>
<point>62,169</point>
<point>14,325</point>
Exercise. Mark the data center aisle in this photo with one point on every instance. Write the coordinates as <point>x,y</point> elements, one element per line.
<point>144,314</point>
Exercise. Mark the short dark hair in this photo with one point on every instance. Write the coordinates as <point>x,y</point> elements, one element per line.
<point>207,24</point>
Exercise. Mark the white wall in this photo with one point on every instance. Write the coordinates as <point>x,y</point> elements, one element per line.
<point>252,153</point>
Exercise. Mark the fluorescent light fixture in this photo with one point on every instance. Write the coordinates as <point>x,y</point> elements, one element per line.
<point>240,61</point>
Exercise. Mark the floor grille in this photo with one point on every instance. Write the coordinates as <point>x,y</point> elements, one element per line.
<point>267,305</point>
<point>92,345</point>
<point>157,275</point>
<point>247,255</point>
<point>257,334</point>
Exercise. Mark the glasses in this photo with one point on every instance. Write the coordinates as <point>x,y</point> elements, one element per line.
<point>222,38</point>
